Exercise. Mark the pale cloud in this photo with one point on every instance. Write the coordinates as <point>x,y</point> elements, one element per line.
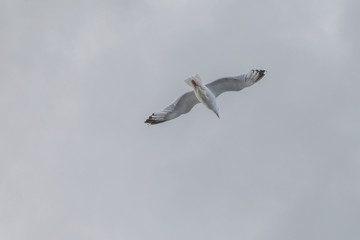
<point>78,79</point>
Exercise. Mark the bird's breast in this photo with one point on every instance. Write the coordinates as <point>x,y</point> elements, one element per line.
<point>205,96</point>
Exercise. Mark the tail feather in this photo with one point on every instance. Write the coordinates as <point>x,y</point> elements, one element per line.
<point>194,81</point>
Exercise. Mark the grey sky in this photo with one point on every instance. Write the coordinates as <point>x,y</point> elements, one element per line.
<point>78,78</point>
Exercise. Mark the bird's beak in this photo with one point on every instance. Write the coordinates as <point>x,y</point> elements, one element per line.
<point>218,115</point>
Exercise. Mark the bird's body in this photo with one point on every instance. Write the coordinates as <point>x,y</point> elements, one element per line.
<point>205,94</point>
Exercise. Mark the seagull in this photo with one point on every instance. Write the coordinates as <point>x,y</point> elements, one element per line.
<point>205,94</point>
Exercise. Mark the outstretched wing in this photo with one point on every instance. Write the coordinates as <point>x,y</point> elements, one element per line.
<point>237,83</point>
<point>180,106</point>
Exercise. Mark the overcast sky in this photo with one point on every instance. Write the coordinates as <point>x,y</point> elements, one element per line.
<point>78,79</point>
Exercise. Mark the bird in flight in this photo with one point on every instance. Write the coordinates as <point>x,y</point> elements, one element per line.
<point>205,94</point>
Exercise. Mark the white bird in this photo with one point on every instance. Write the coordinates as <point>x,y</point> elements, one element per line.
<point>205,94</point>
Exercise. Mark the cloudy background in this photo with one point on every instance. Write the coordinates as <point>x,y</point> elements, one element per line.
<point>78,79</point>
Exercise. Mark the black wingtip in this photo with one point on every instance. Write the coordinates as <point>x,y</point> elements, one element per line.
<point>152,121</point>
<point>261,74</point>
